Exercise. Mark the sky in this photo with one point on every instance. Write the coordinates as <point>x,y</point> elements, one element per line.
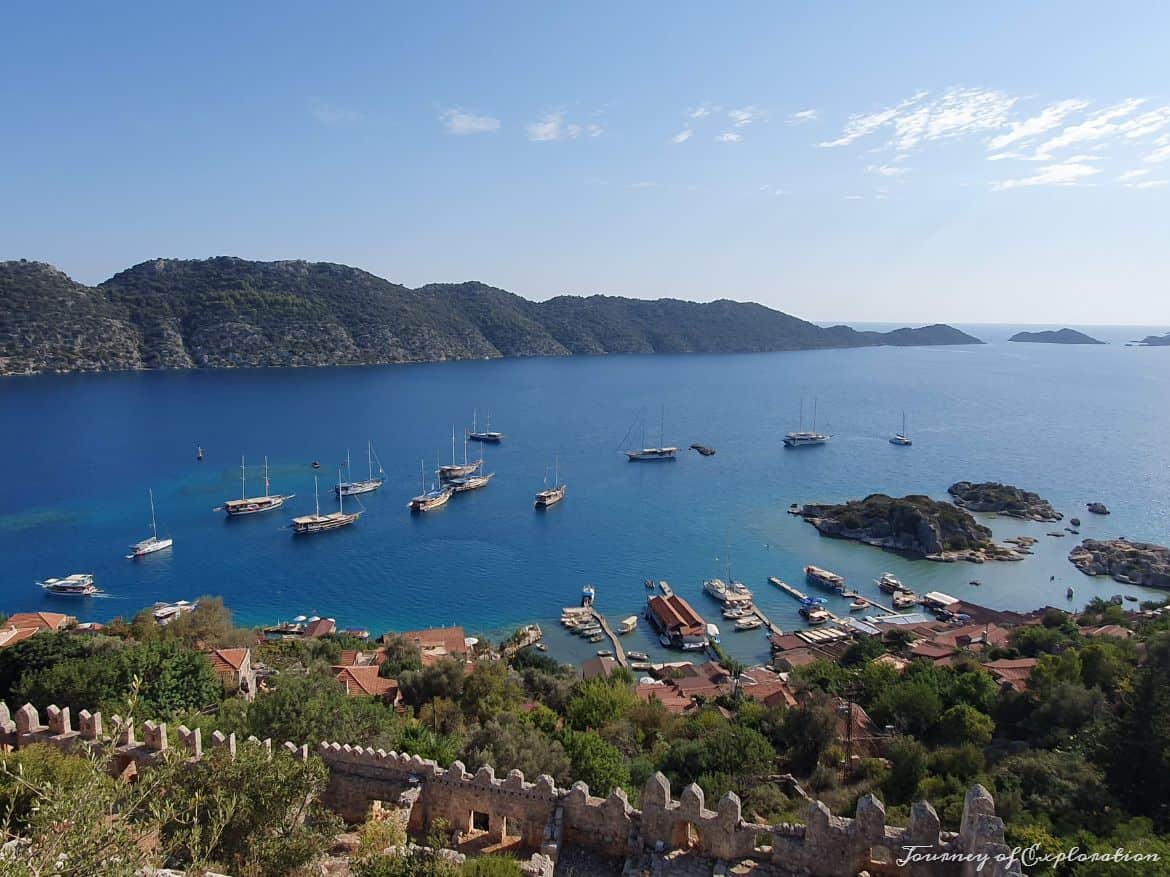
<point>901,162</point>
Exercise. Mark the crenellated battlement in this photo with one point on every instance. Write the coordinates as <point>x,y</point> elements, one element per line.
<point>544,817</point>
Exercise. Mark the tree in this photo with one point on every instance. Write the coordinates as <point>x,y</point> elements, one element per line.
<point>595,762</point>
<point>912,706</point>
<point>965,724</point>
<point>907,759</point>
<point>444,678</point>
<point>312,708</point>
<point>808,730</point>
<point>598,701</point>
<point>507,743</point>
<point>209,623</point>
<point>1139,754</point>
<point>489,691</point>
<point>1062,791</point>
<point>401,654</point>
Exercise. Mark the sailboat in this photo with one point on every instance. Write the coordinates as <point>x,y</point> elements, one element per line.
<point>457,470</point>
<point>802,437</point>
<point>901,438</point>
<point>319,523</point>
<point>151,544</point>
<point>352,488</point>
<point>487,435</point>
<point>653,455</point>
<point>551,495</point>
<point>250,505</point>
<point>432,499</point>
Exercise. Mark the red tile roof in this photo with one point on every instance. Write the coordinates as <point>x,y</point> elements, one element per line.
<point>39,620</point>
<point>365,682</point>
<point>320,627</point>
<point>676,615</point>
<point>666,695</point>
<point>228,660</point>
<point>1013,672</point>
<point>436,643</point>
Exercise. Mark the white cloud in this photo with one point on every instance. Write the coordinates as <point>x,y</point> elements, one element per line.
<point>1065,174</point>
<point>743,116</point>
<point>803,117</point>
<point>1162,153</point>
<point>853,197</point>
<point>886,170</point>
<point>682,136</point>
<point>331,114</point>
<point>554,127</point>
<point>729,137</point>
<point>1149,184</point>
<point>773,190</point>
<point>456,121</point>
<point>957,112</point>
<point>1098,126</point>
<point>1047,119</point>
<point>1147,123</point>
<point>702,112</point>
<point>1132,175</point>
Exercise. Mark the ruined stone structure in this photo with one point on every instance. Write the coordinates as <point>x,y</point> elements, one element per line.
<point>544,819</point>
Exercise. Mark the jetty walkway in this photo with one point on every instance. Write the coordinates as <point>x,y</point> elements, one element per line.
<point>619,654</point>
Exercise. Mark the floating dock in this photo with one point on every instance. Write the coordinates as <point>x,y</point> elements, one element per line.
<point>619,654</point>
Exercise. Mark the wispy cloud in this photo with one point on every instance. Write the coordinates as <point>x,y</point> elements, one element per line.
<point>328,113</point>
<point>457,121</point>
<point>854,197</point>
<point>1104,123</point>
<point>702,112</point>
<point>553,126</point>
<point>773,190</point>
<point>728,137</point>
<point>1065,174</point>
<point>803,117</point>
<point>1148,184</point>
<point>1132,175</point>
<point>744,116</point>
<point>887,170</point>
<point>1161,153</point>
<point>1028,129</point>
<point>683,136</point>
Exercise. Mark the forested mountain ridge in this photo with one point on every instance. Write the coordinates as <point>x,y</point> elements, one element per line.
<point>229,312</point>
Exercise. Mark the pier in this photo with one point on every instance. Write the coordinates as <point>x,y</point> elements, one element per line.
<point>619,654</point>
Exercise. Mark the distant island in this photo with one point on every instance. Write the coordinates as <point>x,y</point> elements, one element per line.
<point>227,312</point>
<point>1003,499</point>
<point>915,525</point>
<point>1059,336</point>
<point>1156,340</point>
<point>1131,563</point>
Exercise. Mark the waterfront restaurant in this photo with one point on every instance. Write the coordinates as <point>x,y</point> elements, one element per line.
<point>673,617</point>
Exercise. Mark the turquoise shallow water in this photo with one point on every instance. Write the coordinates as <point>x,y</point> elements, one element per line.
<point>1073,423</point>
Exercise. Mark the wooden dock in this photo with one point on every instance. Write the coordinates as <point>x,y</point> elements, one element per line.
<point>800,595</point>
<point>619,654</point>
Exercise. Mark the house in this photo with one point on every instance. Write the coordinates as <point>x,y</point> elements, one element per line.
<point>364,681</point>
<point>1113,630</point>
<point>666,695</point>
<point>767,687</point>
<point>794,658</point>
<point>938,653</point>
<point>899,664</point>
<point>235,670</point>
<point>1011,672</point>
<point>979,637</point>
<point>674,617</point>
<point>320,627</point>
<point>436,643</point>
<point>707,680</point>
<point>22,625</point>
<point>600,666</point>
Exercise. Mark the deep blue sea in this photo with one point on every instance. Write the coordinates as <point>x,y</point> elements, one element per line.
<point>1073,423</point>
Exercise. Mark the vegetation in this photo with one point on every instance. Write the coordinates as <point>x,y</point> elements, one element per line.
<point>226,312</point>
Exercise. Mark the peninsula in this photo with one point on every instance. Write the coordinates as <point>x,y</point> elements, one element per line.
<point>1131,563</point>
<point>915,525</point>
<point>1059,336</point>
<point>228,312</point>
<point>1003,499</point>
<point>1156,341</point>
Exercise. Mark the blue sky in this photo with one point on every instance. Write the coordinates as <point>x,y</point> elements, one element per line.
<point>854,161</point>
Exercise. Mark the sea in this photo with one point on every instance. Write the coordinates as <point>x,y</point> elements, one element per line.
<point>1074,423</point>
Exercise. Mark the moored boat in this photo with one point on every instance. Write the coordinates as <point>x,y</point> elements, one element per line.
<point>353,488</point>
<point>901,438</point>
<point>487,435</point>
<point>455,469</point>
<point>252,505</point>
<point>628,624</point>
<point>152,543</point>
<point>551,495</point>
<point>889,583</point>
<point>904,599</point>
<point>662,453</point>
<point>802,437</point>
<point>429,500</point>
<point>751,622</point>
<point>319,523</point>
<point>857,605</point>
<point>824,578</point>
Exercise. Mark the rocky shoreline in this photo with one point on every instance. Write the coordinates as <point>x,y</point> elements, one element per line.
<point>1003,499</point>
<point>1131,563</point>
<point>915,525</point>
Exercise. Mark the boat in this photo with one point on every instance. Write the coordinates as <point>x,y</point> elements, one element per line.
<point>352,488</point>
<point>650,584</point>
<point>487,435</point>
<point>471,481</point>
<point>628,624</point>
<point>738,592</point>
<point>637,656</point>
<point>857,605</point>
<point>713,633</point>
<point>604,653</point>
<point>429,500</point>
<point>458,470</point>
<point>152,543</point>
<point>703,449</point>
<point>596,638</point>
<point>824,578</point>
<point>816,616</point>
<point>551,495</point>
<point>752,622</point>
<point>588,594</point>
<point>319,523</point>
<point>901,438</point>
<point>889,583</point>
<point>79,584</point>
<point>904,599</point>
<point>735,611</point>
<point>717,588</point>
<point>641,665</point>
<point>252,505</point>
<point>653,455</point>
<point>1069,593</point>
<point>802,437</point>
<point>199,453</point>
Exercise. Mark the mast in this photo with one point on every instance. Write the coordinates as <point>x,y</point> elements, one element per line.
<point>556,472</point>
<point>267,486</point>
<point>903,424</point>
<point>317,496</point>
<point>422,475</point>
<point>340,492</point>
<point>243,483</point>
<point>452,445</point>
<point>475,420</point>
<point>153,525</point>
<point>814,429</point>
<point>370,456</point>
<point>800,428</point>
<point>662,426</point>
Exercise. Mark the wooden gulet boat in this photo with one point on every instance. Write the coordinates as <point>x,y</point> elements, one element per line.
<point>319,523</point>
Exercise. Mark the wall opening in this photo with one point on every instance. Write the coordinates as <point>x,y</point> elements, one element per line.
<point>479,821</point>
<point>685,836</point>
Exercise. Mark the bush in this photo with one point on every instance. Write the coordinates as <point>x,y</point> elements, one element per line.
<point>491,866</point>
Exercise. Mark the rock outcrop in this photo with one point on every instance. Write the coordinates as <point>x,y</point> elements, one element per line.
<point>1097,508</point>
<point>1003,499</point>
<point>227,312</point>
<point>1156,341</point>
<point>1059,336</point>
<point>915,525</point>
<point>1131,563</point>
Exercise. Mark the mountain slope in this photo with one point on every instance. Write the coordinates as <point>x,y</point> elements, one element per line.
<point>1059,336</point>
<point>226,312</point>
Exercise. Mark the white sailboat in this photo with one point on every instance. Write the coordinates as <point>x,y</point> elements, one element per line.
<point>802,437</point>
<point>551,495</point>
<point>487,435</point>
<point>151,544</point>
<point>352,488</point>
<point>653,455</point>
<point>902,438</point>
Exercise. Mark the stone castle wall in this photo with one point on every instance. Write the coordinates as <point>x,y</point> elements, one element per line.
<point>546,818</point>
